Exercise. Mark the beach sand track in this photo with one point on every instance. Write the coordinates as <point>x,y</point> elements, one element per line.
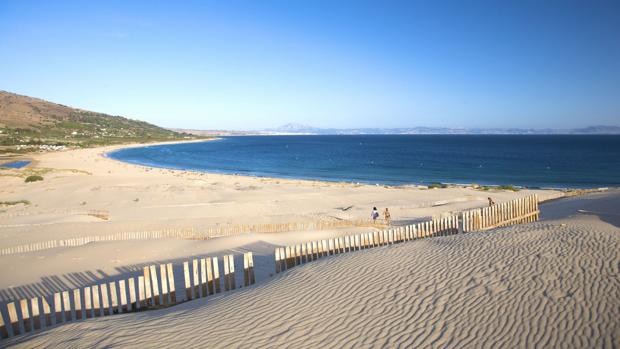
<point>536,285</point>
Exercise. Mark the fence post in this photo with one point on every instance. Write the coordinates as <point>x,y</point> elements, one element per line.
<point>226,273</point>
<point>144,290</point>
<point>229,272</point>
<point>36,315</point>
<point>216,275</point>
<point>47,312</point>
<point>277,255</point>
<point>87,303</point>
<point>297,254</point>
<point>188,282</point>
<point>133,305</point>
<point>203,277</point>
<point>77,302</point>
<point>104,299</point>
<point>155,284</point>
<point>246,268</point>
<point>122,289</point>
<point>195,278</point>
<point>171,285</point>
<point>251,268</point>
<point>57,308</point>
<point>312,250</point>
<point>147,286</point>
<point>3,330</point>
<point>96,302</point>
<point>13,319</point>
<point>113,297</point>
<point>288,257</point>
<point>67,305</point>
<point>23,304</point>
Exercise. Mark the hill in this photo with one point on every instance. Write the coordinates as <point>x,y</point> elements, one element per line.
<point>27,123</point>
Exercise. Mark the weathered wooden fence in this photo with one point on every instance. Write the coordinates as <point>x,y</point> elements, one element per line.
<point>157,288</point>
<point>517,211</point>
<point>189,234</point>
<point>522,210</point>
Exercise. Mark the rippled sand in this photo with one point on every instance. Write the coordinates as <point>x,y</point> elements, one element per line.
<point>553,284</point>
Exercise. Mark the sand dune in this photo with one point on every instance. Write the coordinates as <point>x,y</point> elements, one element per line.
<point>44,272</point>
<point>548,284</point>
<point>146,199</point>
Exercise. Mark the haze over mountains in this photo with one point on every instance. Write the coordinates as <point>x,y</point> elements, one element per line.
<point>304,129</point>
<point>26,119</point>
<point>299,129</point>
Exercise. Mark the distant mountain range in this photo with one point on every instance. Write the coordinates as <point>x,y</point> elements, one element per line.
<point>309,130</point>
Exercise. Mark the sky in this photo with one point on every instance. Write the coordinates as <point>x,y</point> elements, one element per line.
<point>249,65</point>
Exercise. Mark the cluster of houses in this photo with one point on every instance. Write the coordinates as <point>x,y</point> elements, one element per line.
<point>43,147</point>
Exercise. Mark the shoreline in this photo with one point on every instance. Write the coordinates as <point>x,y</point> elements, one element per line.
<point>475,186</point>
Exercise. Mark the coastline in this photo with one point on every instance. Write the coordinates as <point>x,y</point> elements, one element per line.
<point>142,199</point>
<point>139,198</point>
<point>490,186</point>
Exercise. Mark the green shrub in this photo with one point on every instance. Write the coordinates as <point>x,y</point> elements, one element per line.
<point>499,187</point>
<point>508,187</point>
<point>13,203</point>
<point>437,185</point>
<point>33,178</point>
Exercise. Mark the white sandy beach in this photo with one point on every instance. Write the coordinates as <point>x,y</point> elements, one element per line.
<point>546,284</point>
<point>148,199</point>
<point>551,284</point>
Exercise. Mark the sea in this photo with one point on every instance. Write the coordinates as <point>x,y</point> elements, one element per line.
<point>16,164</point>
<point>533,161</point>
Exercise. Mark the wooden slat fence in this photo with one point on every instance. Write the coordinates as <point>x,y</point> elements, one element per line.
<point>156,288</point>
<point>189,234</point>
<point>522,210</point>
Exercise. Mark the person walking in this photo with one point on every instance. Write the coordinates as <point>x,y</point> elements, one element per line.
<point>387,217</point>
<point>374,215</point>
<point>491,202</point>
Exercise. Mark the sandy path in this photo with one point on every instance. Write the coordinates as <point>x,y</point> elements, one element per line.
<point>547,284</point>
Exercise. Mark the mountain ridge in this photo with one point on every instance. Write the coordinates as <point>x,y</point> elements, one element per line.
<point>293,128</point>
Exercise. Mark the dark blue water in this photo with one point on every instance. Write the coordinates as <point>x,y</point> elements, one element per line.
<point>532,161</point>
<point>15,164</point>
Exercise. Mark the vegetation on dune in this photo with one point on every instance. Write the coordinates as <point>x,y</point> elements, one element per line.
<point>13,203</point>
<point>437,185</point>
<point>498,187</point>
<point>33,178</point>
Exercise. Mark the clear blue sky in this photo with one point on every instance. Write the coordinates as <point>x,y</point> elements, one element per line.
<point>259,64</point>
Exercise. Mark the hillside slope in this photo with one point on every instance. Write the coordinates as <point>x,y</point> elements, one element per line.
<point>31,121</point>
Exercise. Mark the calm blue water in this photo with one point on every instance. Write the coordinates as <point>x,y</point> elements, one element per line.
<point>532,161</point>
<point>15,164</point>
